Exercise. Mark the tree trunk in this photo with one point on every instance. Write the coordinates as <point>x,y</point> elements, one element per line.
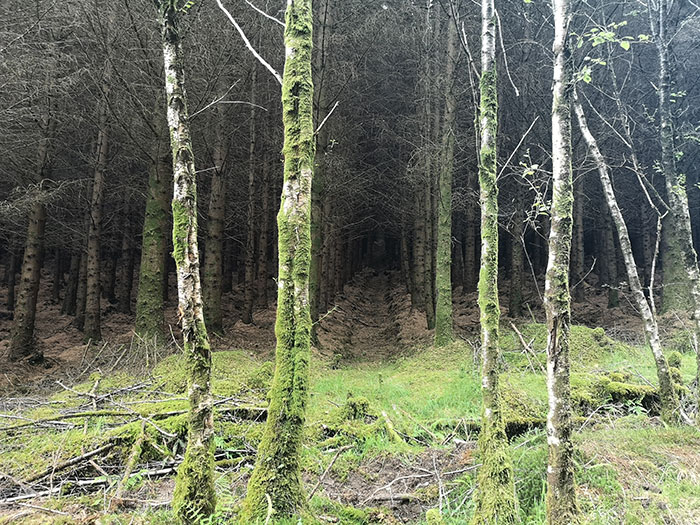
<point>443,274</point>
<point>495,501</point>
<point>11,281</point>
<point>151,294</point>
<point>194,497</point>
<point>69,299</point>
<point>669,400</point>
<point>213,248</point>
<point>610,261</point>
<point>419,250</point>
<point>80,293</point>
<point>263,243</point>
<point>577,255</point>
<point>561,495</point>
<point>22,338</point>
<point>91,328</point>
<point>517,258</point>
<point>126,266</point>
<point>679,214</point>
<point>277,473</point>
<point>249,285</point>
<point>57,276</point>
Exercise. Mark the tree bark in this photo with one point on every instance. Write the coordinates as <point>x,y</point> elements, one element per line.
<point>277,473</point>
<point>495,501</point>
<point>194,497</point>
<point>561,495</point>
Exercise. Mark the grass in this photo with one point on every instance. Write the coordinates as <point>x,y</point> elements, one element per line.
<point>423,395</point>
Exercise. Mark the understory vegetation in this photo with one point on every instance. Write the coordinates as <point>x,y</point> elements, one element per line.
<point>390,441</point>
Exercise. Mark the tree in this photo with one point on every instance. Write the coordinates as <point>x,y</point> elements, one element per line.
<point>443,283</point>
<point>194,496</point>
<point>277,473</point>
<point>561,494</point>
<point>152,271</point>
<point>495,500</point>
<point>669,400</point>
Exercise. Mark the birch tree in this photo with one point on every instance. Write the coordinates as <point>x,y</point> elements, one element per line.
<point>561,494</point>
<point>194,496</point>
<point>495,500</point>
<point>669,399</point>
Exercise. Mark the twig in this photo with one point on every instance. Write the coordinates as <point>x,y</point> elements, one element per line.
<point>527,347</point>
<point>328,468</point>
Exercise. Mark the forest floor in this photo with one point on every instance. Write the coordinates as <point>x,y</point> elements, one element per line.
<point>392,421</point>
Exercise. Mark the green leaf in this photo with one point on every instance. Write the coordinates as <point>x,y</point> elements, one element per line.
<point>624,44</point>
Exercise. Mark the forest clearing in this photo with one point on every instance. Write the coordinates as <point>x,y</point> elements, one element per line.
<point>309,262</point>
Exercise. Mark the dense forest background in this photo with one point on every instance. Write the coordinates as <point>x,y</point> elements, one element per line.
<point>84,138</point>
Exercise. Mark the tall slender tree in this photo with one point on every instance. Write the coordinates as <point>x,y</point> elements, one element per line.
<point>443,279</point>
<point>194,498</point>
<point>561,494</point>
<point>495,500</point>
<point>276,480</point>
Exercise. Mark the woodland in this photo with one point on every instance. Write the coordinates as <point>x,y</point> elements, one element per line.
<point>357,262</point>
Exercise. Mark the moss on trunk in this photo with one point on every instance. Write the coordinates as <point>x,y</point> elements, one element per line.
<point>277,473</point>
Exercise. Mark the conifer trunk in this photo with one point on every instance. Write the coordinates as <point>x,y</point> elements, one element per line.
<point>150,296</point>
<point>495,502</point>
<point>277,473</point>
<point>126,266</point>
<point>263,242</point>
<point>22,338</point>
<point>561,495</point>
<point>669,399</point>
<point>251,230</point>
<point>91,327</point>
<point>213,248</point>
<point>443,274</point>
<point>194,496</point>
<point>69,299</point>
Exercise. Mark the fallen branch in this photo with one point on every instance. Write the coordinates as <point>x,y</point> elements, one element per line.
<point>71,462</point>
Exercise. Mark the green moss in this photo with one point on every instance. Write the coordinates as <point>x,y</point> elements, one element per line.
<point>181,225</point>
<point>675,359</point>
<point>433,517</point>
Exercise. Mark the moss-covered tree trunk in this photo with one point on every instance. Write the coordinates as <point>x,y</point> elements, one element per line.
<point>213,248</point>
<point>676,194</point>
<point>495,501</point>
<point>443,274</point>
<point>194,496</point>
<point>91,328</point>
<point>251,230</point>
<point>150,298</point>
<point>277,473</point>
<point>561,494</point>
<point>670,409</point>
